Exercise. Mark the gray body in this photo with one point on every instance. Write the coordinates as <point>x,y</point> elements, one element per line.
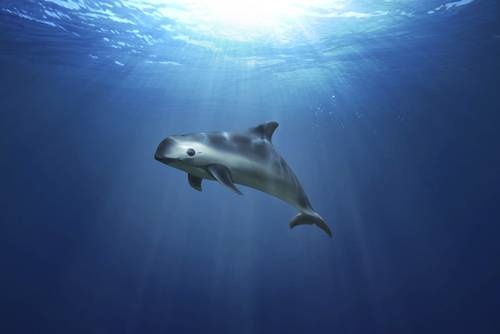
<point>247,158</point>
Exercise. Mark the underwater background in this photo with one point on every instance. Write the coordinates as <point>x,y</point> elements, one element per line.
<point>389,116</point>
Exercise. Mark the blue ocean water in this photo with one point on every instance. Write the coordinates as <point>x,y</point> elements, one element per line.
<point>389,116</point>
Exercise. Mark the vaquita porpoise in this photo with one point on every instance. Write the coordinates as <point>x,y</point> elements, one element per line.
<point>247,158</point>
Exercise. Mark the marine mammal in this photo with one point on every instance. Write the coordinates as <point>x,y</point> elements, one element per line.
<point>247,158</point>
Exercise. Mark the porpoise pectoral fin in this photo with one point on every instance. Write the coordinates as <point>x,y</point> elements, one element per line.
<point>195,181</point>
<point>307,219</point>
<point>223,175</point>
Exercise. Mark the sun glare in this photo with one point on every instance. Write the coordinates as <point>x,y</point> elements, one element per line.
<point>240,13</point>
<point>249,12</point>
<point>245,19</point>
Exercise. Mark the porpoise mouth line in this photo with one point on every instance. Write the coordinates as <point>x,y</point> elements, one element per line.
<point>166,160</point>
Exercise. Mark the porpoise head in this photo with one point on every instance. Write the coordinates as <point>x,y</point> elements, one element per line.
<point>182,152</point>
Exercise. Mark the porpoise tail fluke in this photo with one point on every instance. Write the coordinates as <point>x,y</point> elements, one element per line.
<point>312,218</point>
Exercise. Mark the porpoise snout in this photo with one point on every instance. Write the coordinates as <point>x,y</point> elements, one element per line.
<point>163,150</point>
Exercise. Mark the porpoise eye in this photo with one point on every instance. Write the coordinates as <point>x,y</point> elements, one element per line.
<point>191,152</point>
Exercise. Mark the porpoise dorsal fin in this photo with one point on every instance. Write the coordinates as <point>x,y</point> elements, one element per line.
<point>264,130</point>
<point>223,175</point>
<point>194,181</point>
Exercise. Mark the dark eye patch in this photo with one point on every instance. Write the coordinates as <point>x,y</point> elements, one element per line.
<point>191,152</point>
